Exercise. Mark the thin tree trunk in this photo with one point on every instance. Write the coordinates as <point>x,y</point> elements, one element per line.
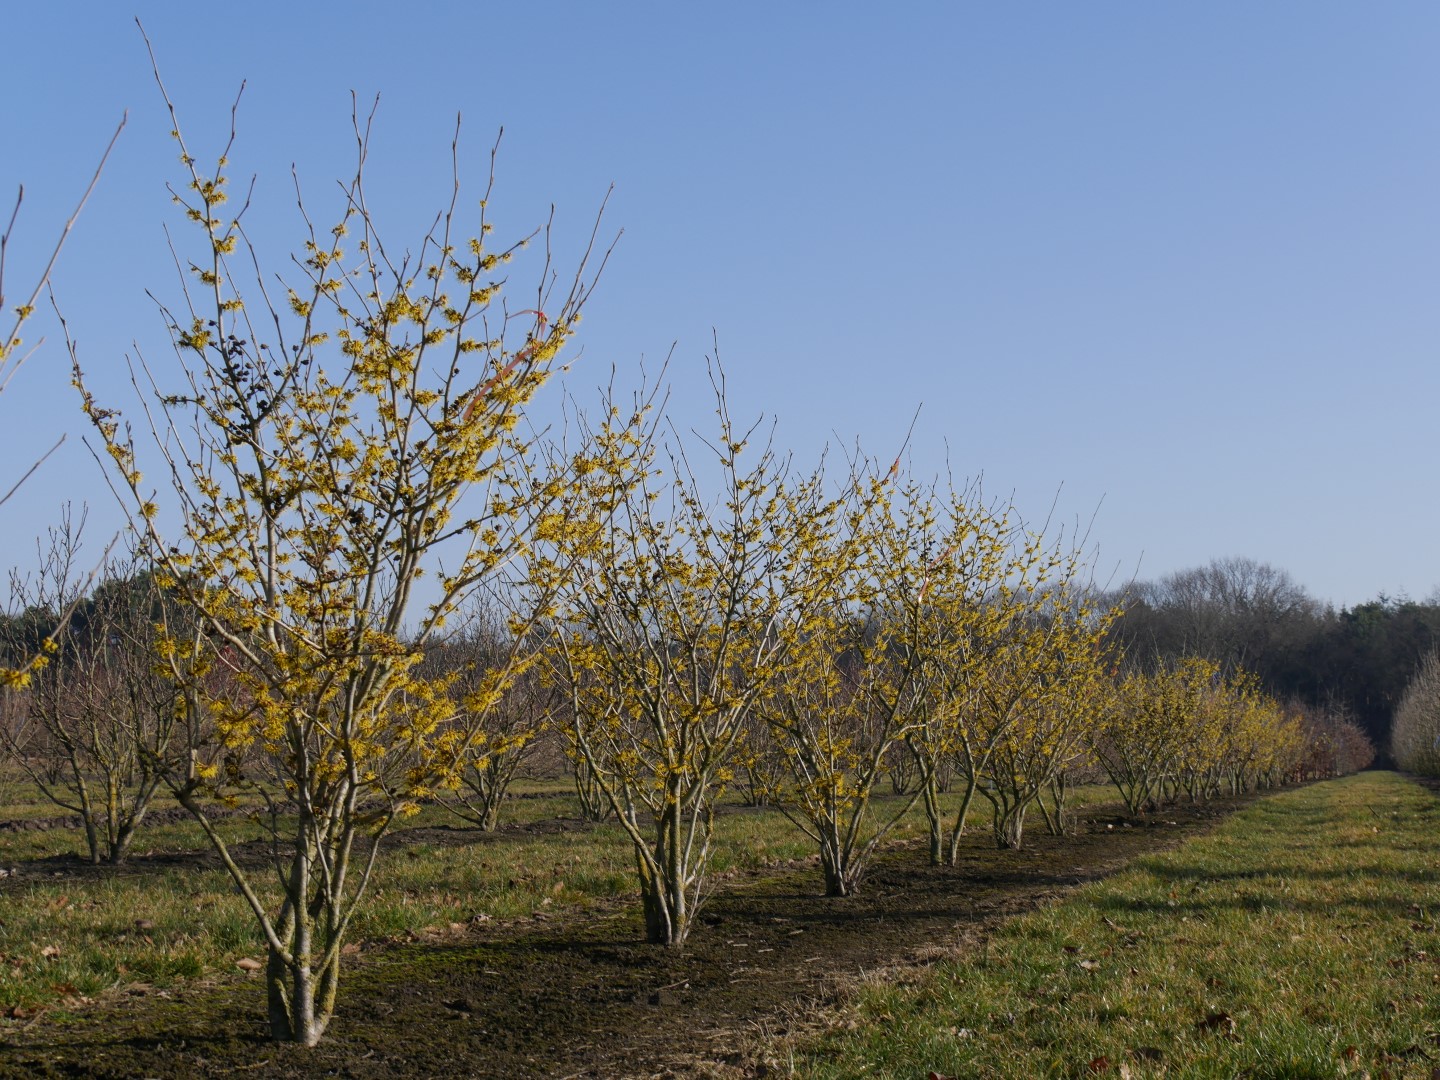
<point>952,852</point>
<point>932,815</point>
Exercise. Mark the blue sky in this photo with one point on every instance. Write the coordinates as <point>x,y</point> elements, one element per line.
<point>1177,263</point>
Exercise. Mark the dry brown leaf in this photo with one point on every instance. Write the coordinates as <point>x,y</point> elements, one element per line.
<point>1221,1023</point>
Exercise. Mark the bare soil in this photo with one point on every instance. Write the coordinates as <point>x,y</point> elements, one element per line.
<point>578,994</point>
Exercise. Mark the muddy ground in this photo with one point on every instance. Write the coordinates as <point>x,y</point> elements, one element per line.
<point>578,994</point>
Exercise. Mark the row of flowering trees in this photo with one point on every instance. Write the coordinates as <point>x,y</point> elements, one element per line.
<point>687,610</point>
<point>1184,728</point>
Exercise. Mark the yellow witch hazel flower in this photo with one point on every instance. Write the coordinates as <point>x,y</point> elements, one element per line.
<point>336,443</point>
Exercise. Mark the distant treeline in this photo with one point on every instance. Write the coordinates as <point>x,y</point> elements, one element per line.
<point>1241,613</point>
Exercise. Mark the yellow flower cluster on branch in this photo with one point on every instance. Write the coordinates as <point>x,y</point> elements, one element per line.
<point>325,457</point>
<point>1189,727</point>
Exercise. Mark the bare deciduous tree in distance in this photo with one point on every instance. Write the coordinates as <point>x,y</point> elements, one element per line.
<point>100,724</point>
<point>13,354</point>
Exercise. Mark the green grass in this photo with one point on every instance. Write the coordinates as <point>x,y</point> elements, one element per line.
<point>74,937</point>
<point>1298,940</point>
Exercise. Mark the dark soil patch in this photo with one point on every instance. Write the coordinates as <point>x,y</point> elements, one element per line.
<point>578,995</point>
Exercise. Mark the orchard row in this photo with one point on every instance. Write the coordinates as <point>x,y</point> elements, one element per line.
<point>348,465</point>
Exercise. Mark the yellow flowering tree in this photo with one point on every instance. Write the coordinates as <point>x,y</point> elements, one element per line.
<point>505,735</point>
<point>1287,744</point>
<point>919,567</point>
<point>1048,682</point>
<point>681,609</point>
<point>1245,737</point>
<point>327,446</point>
<point>1147,731</point>
<point>974,588</point>
<point>839,702</point>
<point>1188,727</point>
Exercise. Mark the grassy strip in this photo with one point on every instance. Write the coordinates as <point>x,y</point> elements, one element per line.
<point>66,938</point>
<point>1298,940</point>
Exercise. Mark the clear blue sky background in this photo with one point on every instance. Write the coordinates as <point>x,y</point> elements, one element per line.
<point>1184,259</point>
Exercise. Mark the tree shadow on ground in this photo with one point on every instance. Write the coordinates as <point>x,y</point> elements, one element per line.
<point>580,995</point>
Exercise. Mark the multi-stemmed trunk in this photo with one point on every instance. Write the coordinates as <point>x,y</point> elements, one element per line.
<point>672,862</point>
<point>927,771</point>
<point>1056,822</point>
<point>301,994</point>
<point>1010,827</point>
<point>588,791</point>
<point>845,853</point>
<point>841,872</point>
<point>304,936</point>
<point>1010,807</point>
<point>110,819</point>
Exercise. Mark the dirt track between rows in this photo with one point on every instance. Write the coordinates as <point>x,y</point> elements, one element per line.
<point>578,995</point>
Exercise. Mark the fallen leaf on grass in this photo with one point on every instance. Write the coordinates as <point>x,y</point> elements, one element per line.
<point>1100,1064</point>
<point>1221,1023</point>
<point>1088,965</point>
<point>49,952</point>
<point>933,1075</point>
